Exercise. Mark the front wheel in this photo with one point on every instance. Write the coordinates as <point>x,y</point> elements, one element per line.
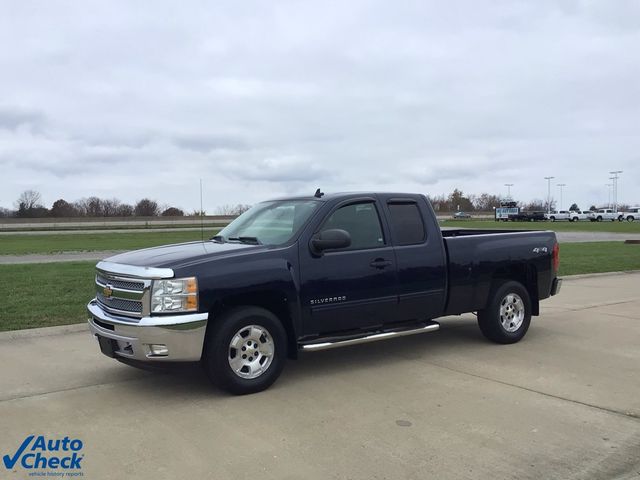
<point>508,314</point>
<point>245,350</point>
<point>630,219</point>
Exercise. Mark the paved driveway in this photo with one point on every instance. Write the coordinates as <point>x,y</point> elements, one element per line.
<point>564,403</point>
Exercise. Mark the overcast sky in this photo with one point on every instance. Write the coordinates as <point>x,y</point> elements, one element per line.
<point>261,99</point>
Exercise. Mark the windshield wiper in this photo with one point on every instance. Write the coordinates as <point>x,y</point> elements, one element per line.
<point>218,238</point>
<point>249,240</point>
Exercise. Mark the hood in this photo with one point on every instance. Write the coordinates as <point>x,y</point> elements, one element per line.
<point>176,255</point>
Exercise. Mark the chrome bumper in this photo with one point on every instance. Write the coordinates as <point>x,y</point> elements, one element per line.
<point>183,335</point>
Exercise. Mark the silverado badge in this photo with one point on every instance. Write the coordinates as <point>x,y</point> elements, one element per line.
<point>107,291</point>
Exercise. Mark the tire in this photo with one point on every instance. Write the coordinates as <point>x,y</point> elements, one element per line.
<point>264,339</point>
<point>630,219</point>
<point>599,219</point>
<point>575,219</point>
<point>553,219</point>
<point>508,314</point>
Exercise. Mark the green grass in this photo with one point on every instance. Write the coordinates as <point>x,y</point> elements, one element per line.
<point>616,227</point>
<point>17,244</point>
<point>47,294</point>
<point>598,257</point>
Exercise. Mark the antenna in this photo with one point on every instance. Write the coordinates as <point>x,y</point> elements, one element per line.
<point>201,214</point>
<point>318,194</point>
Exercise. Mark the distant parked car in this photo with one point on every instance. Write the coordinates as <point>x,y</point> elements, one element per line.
<point>578,215</point>
<point>561,215</point>
<point>606,214</point>
<point>631,214</point>
<point>459,215</point>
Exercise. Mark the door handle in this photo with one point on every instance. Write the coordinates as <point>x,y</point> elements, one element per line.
<point>380,263</point>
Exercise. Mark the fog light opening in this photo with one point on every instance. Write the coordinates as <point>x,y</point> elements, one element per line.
<point>158,350</point>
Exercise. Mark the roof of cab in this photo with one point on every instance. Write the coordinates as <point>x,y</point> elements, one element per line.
<point>339,195</point>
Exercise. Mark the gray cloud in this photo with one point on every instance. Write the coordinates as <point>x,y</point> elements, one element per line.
<point>13,118</point>
<point>109,99</point>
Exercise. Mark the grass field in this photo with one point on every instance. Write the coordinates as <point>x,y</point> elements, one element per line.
<point>47,294</point>
<point>17,244</point>
<point>614,227</point>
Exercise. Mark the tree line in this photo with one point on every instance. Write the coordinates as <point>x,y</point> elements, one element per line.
<point>29,205</point>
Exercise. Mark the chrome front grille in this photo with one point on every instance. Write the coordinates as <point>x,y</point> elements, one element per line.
<point>119,304</point>
<point>123,284</point>
<point>122,295</point>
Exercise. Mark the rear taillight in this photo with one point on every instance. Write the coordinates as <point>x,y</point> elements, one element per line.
<point>556,257</point>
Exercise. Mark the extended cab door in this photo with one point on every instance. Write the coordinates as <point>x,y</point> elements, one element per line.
<point>351,288</point>
<point>420,256</point>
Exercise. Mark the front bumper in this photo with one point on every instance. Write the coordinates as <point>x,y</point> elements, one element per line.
<point>556,286</point>
<point>183,335</point>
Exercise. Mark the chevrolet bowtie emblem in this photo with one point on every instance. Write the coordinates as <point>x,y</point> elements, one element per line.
<point>107,291</point>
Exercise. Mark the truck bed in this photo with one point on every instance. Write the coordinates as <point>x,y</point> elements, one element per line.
<point>476,258</point>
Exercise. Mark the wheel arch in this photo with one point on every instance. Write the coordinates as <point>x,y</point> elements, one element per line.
<point>274,301</point>
<point>526,275</point>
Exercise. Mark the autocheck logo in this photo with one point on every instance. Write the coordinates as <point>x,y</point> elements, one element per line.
<point>61,457</point>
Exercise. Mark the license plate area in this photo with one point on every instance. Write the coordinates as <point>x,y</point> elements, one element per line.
<point>107,346</point>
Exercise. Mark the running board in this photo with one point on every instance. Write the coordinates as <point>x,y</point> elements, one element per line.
<point>315,347</point>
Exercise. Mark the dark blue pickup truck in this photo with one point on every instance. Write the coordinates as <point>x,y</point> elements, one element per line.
<point>311,273</point>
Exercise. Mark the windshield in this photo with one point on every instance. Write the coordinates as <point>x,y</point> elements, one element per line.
<point>269,223</point>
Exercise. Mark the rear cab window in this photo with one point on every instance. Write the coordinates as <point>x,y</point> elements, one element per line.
<point>405,220</point>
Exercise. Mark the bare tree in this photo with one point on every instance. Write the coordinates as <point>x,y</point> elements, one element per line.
<point>235,210</point>
<point>28,205</point>
<point>28,200</point>
<point>5,212</point>
<point>485,202</point>
<point>124,210</point>
<point>110,207</point>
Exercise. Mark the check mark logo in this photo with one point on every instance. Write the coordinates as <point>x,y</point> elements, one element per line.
<point>10,462</point>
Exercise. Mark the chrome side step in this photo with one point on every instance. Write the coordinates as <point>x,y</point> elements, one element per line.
<point>315,347</point>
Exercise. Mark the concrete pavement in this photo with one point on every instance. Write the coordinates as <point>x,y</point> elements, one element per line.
<point>562,404</point>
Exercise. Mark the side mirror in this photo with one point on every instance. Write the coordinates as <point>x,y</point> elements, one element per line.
<point>329,240</point>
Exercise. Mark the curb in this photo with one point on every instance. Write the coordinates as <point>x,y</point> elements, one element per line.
<point>43,331</point>
<point>596,275</point>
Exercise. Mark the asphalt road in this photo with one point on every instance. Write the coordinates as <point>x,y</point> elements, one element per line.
<point>562,404</point>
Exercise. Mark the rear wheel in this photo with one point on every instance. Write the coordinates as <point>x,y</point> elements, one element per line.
<point>508,314</point>
<point>245,350</point>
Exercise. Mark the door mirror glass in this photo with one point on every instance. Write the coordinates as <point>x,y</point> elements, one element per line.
<point>330,240</point>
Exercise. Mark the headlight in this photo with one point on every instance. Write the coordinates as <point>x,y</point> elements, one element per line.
<point>175,295</point>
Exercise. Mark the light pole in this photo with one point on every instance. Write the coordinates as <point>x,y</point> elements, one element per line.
<point>561,185</point>
<point>615,188</point>
<point>548,179</point>
<point>508,185</point>
<point>609,185</point>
